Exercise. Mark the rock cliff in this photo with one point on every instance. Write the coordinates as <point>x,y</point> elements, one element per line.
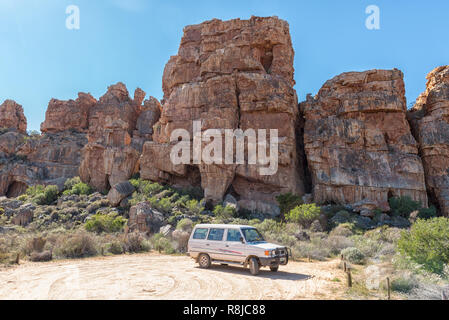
<point>234,74</point>
<point>430,121</point>
<point>358,142</point>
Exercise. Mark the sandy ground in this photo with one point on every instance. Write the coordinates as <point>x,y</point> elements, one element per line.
<point>153,276</point>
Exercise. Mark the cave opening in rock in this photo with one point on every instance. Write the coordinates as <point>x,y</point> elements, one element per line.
<point>15,189</point>
<point>267,60</point>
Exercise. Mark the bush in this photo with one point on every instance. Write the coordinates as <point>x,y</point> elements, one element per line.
<point>403,206</point>
<point>185,225</point>
<point>353,255</point>
<point>404,283</point>
<point>105,223</point>
<point>136,242</point>
<point>182,239</point>
<point>41,256</point>
<point>77,245</point>
<point>288,202</point>
<point>162,244</point>
<point>304,214</point>
<point>427,243</point>
<point>226,212</point>
<point>43,195</point>
<point>427,213</point>
<point>114,247</point>
<point>75,186</point>
<point>195,207</point>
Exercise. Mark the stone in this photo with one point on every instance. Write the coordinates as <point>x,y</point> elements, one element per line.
<point>235,74</point>
<point>109,156</point>
<point>145,219</point>
<point>12,117</point>
<point>430,122</point>
<point>358,142</point>
<point>230,201</point>
<point>166,230</point>
<point>68,115</point>
<point>119,192</point>
<point>24,215</point>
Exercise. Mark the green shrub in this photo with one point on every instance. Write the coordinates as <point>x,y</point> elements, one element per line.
<point>162,244</point>
<point>35,190</point>
<point>77,245</point>
<point>403,206</point>
<point>105,223</point>
<point>226,212</point>
<point>353,255</point>
<point>288,202</point>
<point>427,213</point>
<point>304,214</point>
<point>22,197</point>
<point>185,225</point>
<point>195,207</point>
<point>76,186</point>
<point>47,195</point>
<point>136,242</point>
<point>2,211</point>
<point>114,247</point>
<point>404,283</point>
<point>427,243</point>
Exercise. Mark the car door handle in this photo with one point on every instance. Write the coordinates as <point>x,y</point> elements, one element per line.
<point>227,246</point>
<point>207,244</point>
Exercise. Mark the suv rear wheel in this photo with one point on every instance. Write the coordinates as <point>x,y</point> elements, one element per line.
<point>254,266</point>
<point>204,261</point>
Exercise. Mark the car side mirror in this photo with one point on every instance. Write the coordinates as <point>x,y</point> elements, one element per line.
<point>242,240</point>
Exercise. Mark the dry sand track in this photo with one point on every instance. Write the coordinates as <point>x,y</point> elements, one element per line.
<point>153,276</point>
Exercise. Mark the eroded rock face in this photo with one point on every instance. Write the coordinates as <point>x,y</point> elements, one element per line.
<point>235,74</point>
<point>430,121</point>
<point>12,117</point>
<point>358,141</point>
<point>68,115</point>
<point>111,156</point>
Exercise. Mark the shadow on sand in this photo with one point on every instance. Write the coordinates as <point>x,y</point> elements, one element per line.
<point>263,273</point>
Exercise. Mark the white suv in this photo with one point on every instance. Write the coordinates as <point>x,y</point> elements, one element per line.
<point>235,244</point>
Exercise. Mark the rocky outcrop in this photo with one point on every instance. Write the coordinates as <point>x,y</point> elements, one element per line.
<point>12,117</point>
<point>68,115</point>
<point>235,74</point>
<point>143,218</point>
<point>110,157</point>
<point>119,192</point>
<point>430,121</point>
<point>358,141</point>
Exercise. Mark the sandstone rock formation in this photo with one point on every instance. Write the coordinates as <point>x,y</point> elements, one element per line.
<point>68,115</point>
<point>12,117</point>
<point>143,218</point>
<point>358,141</point>
<point>111,157</point>
<point>119,192</point>
<point>235,74</point>
<point>430,121</point>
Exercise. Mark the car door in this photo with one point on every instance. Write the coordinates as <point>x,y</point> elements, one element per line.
<point>235,250</point>
<point>215,243</point>
<point>198,241</point>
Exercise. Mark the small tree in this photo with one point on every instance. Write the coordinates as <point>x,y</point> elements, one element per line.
<point>304,214</point>
<point>427,243</point>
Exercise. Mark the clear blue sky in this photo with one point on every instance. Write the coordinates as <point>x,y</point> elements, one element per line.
<point>131,41</point>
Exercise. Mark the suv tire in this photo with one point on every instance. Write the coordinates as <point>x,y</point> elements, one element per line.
<point>204,261</point>
<point>254,266</point>
<point>274,269</point>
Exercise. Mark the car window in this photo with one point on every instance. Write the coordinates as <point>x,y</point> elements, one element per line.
<point>252,235</point>
<point>234,235</point>
<point>216,234</point>
<point>200,234</point>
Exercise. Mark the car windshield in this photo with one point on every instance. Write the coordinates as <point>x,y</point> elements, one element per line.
<point>252,235</point>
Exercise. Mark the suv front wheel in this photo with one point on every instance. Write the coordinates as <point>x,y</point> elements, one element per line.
<point>254,266</point>
<point>204,261</point>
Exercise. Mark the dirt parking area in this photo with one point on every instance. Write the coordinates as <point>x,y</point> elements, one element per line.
<point>153,276</point>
